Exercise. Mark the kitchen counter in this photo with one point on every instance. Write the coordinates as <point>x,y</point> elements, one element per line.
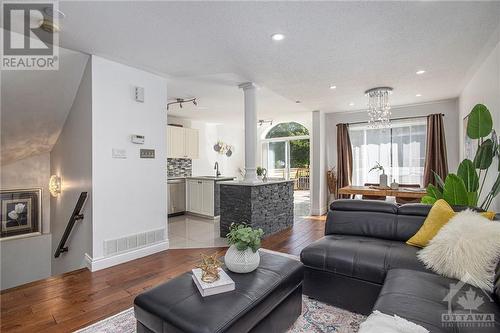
<point>220,178</point>
<point>260,183</point>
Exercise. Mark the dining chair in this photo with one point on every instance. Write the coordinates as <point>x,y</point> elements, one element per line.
<point>373,197</point>
<point>402,201</point>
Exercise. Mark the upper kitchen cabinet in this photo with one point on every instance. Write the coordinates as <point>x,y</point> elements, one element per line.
<point>182,142</point>
<point>191,142</point>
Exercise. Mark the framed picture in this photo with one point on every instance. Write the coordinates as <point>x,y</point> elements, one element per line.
<point>470,145</point>
<point>20,212</point>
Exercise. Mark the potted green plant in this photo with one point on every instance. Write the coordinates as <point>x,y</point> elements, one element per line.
<point>260,172</point>
<point>466,186</point>
<point>383,176</point>
<point>243,255</point>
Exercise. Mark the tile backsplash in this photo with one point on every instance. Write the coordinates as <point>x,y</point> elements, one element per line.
<point>179,167</point>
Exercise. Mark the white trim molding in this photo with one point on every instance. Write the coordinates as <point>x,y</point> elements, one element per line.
<point>104,262</point>
<point>319,211</point>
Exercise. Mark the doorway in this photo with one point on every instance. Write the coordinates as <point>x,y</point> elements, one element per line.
<point>286,155</point>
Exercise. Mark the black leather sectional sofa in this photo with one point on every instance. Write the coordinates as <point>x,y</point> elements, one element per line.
<point>363,264</point>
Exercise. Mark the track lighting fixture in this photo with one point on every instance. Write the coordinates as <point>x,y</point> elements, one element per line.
<point>182,100</point>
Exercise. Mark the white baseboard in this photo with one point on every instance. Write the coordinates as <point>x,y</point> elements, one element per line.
<point>105,262</point>
<point>319,211</point>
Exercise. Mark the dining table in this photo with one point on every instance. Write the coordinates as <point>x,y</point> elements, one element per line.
<point>401,192</point>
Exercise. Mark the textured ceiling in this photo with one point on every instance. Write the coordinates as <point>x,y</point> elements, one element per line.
<point>354,45</point>
<point>221,101</point>
<point>35,105</point>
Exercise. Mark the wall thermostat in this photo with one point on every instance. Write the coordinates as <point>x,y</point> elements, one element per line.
<point>138,139</point>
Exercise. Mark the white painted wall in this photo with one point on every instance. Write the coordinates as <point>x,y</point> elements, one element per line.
<point>209,134</point>
<point>451,123</point>
<point>27,259</point>
<point>71,159</point>
<point>484,87</point>
<point>129,195</point>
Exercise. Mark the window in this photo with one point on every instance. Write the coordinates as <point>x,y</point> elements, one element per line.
<point>399,149</point>
<point>287,129</point>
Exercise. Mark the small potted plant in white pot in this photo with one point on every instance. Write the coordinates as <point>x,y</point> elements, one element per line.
<point>243,255</point>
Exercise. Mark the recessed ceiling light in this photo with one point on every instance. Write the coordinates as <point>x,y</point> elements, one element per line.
<point>418,95</point>
<point>333,87</point>
<point>277,37</point>
<point>351,104</point>
<point>420,72</point>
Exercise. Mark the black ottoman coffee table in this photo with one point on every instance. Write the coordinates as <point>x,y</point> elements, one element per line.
<point>268,300</point>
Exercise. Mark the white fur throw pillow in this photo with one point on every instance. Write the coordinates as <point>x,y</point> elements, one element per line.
<point>379,322</point>
<point>466,248</point>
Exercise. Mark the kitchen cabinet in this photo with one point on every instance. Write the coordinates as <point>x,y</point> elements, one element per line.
<point>182,142</point>
<point>200,196</point>
<point>191,143</point>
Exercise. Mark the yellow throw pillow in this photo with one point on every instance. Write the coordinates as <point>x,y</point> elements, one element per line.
<point>440,213</point>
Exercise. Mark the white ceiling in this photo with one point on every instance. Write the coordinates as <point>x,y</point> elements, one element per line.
<point>221,101</point>
<point>207,48</point>
<point>35,105</point>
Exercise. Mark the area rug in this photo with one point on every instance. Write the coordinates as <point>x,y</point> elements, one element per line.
<point>316,317</point>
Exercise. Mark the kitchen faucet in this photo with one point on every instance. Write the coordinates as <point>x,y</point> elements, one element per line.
<point>216,168</point>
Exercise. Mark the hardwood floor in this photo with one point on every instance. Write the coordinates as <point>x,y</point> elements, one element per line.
<point>73,300</point>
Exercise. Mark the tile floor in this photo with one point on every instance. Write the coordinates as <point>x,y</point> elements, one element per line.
<point>188,231</point>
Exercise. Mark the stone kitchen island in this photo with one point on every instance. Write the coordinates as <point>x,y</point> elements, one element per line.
<point>267,205</point>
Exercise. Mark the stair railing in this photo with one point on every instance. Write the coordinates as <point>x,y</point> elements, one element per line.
<point>76,216</point>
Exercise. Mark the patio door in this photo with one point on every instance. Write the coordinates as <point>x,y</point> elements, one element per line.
<point>288,159</point>
<point>278,163</point>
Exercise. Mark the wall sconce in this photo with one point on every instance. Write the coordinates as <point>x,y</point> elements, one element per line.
<point>55,185</point>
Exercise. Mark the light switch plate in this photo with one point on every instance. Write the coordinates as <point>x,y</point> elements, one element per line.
<point>147,153</point>
<point>119,153</point>
<point>139,94</point>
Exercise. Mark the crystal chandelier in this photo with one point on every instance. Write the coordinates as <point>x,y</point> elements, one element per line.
<point>379,109</point>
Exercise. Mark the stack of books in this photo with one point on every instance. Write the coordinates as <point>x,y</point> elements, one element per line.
<point>222,285</point>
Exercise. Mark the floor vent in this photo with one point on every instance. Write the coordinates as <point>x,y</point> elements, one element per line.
<point>114,246</point>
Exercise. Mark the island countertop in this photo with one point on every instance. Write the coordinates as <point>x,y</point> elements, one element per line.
<point>217,179</point>
<point>260,183</point>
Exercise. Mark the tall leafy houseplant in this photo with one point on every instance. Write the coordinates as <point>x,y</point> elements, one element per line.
<point>467,185</point>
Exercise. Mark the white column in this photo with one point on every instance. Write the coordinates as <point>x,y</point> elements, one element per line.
<point>249,90</point>
<point>318,165</point>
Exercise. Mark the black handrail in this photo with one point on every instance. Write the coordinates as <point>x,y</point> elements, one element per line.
<point>76,216</point>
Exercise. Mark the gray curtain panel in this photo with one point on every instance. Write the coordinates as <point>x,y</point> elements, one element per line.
<point>435,155</point>
<point>344,158</point>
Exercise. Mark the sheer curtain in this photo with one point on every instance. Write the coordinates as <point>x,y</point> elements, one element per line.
<point>399,149</point>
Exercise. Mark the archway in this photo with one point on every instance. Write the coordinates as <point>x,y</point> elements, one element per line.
<point>286,155</point>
